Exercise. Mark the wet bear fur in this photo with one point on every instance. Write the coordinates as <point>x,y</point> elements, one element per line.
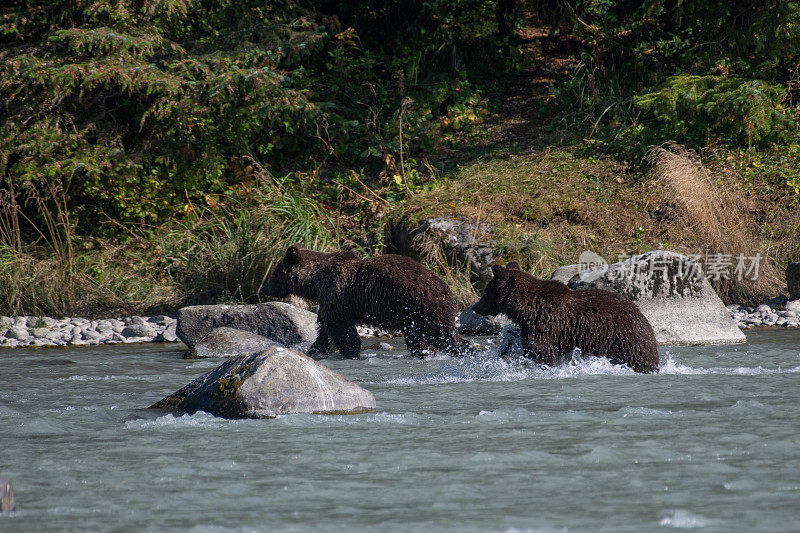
<point>555,319</point>
<point>387,291</point>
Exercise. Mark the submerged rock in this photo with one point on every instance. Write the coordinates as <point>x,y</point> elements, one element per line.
<point>274,382</point>
<point>6,496</point>
<point>277,321</point>
<point>471,323</point>
<point>674,295</point>
<point>511,343</point>
<point>229,342</point>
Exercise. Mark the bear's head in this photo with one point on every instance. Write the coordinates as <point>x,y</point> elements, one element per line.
<point>298,272</point>
<point>489,304</point>
<point>290,276</point>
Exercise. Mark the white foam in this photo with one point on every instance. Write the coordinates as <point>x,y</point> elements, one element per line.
<point>682,519</point>
<point>674,367</point>
<point>367,418</point>
<point>199,419</point>
<point>105,378</point>
<point>491,368</point>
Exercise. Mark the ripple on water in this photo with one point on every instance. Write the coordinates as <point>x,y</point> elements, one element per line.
<point>106,378</point>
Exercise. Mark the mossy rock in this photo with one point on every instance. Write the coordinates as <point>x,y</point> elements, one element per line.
<point>267,384</point>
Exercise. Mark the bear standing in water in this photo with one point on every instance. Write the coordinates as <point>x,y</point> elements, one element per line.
<point>555,319</point>
<point>386,291</point>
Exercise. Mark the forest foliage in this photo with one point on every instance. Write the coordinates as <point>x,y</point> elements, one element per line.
<point>215,130</point>
<point>140,107</point>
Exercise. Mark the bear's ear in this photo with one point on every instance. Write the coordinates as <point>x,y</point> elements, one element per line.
<point>513,265</point>
<point>499,271</point>
<point>293,254</point>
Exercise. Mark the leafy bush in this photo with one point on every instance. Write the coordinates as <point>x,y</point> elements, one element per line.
<point>141,107</point>
<point>732,109</point>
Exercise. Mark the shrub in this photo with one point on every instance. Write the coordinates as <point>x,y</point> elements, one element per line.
<point>736,110</point>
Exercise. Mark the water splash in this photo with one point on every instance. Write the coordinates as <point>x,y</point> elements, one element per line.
<point>682,519</point>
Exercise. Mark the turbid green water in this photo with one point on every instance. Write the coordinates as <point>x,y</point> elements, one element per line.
<point>713,442</point>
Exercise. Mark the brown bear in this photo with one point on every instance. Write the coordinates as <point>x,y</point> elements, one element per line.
<point>387,291</point>
<point>555,319</point>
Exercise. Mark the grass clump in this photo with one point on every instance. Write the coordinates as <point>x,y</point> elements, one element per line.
<point>225,252</point>
<point>717,212</point>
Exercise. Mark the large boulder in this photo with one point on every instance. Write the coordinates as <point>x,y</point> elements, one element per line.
<point>462,242</point>
<point>274,382</point>
<point>229,342</point>
<point>277,321</point>
<point>674,295</point>
<point>565,273</point>
<point>793,280</point>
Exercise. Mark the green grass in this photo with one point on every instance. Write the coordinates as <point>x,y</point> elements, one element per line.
<point>547,207</point>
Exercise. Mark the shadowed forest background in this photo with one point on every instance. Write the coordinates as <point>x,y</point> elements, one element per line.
<point>155,153</point>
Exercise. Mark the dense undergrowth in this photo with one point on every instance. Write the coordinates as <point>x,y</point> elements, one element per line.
<point>161,152</point>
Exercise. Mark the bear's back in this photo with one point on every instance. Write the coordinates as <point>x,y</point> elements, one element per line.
<point>395,289</point>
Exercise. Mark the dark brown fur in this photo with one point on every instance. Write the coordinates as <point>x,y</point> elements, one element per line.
<point>554,320</point>
<point>386,291</point>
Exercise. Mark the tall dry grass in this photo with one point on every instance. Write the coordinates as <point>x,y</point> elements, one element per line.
<point>714,208</point>
<point>41,274</point>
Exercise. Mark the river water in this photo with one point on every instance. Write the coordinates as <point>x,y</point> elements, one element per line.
<point>712,442</point>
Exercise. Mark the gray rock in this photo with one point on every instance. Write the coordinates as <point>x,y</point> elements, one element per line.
<point>274,382</point>
<point>159,320</point>
<point>169,334</point>
<point>7,503</point>
<point>39,333</point>
<point>380,347</point>
<point>277,321</point>
<point>90,334</point>
<point>139,329</point>
<point>565,273</point>
<point>229,342</point>
<point>471,323</point>
<point>674,295</point>
<point>18,333</point>
<point>793,280</point>
<point>763,308</point>
<point>793,305</point>
<point>55,336</point>
<point>461,241</point>
<point>42,342</point>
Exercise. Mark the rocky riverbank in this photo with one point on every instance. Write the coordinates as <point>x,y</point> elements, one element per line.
<point>772,314</point>
<point>43,332</point>
<point>29,331</point>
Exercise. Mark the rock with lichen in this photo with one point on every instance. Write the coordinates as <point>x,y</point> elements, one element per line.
<point>276,381</point>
